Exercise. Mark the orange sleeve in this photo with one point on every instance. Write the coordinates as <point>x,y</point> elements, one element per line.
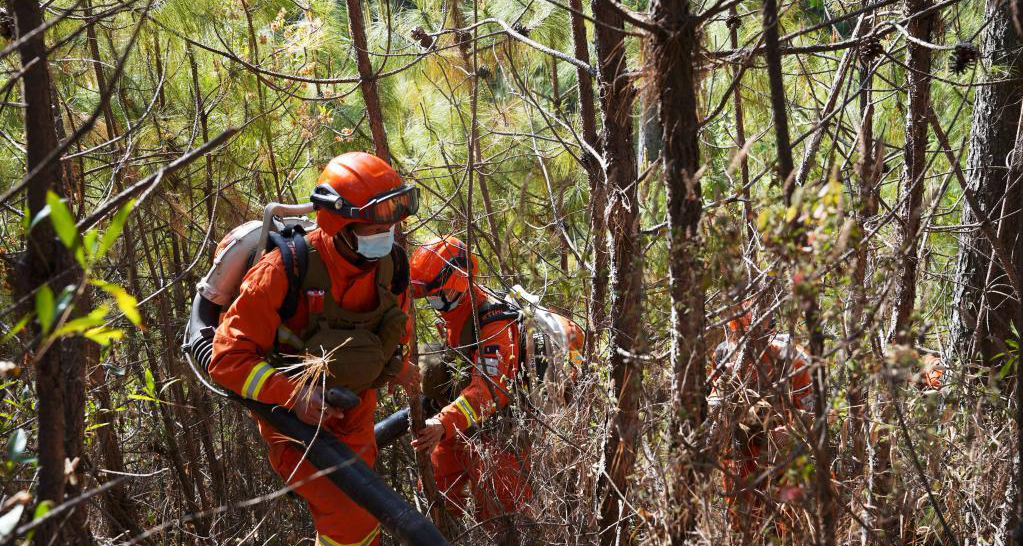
<point>498,360</point>
<point>246,336</point>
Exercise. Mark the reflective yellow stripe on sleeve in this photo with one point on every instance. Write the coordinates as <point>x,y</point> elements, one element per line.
<point>327,541</point>
<point>466,408</point>
<point>257,377</point>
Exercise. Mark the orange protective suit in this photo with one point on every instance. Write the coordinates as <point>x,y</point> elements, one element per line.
<point>494,470</point>
<point>244,339</point>
<point>783,362</point>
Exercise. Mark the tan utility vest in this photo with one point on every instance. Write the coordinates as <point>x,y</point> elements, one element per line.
<point>360,350</point>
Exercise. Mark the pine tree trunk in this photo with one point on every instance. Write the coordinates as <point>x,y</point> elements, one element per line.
<point>883,486</point>
<point>826,517</point>
<point>983,305</point>
<point>919,99</point>
<point>368,80</point>
<point>598,191</point>
<point>856,392</point>
<point>617,96</point>
<point>674,82</point>
<point>60,368</point>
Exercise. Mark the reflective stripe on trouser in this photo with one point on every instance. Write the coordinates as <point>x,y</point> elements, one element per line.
<point>327,541</point>
<point>335,516</point>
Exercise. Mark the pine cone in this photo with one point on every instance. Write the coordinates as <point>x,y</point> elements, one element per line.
<point>871,48</point>
<point>964,56</point>
<point>733,22</point>
<point>521,30</point>
<point>6,24</point>
<point>483,72</point>
<point>424,39</point>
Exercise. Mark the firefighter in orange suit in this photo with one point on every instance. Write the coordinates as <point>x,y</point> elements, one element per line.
<point>783,367</point>
<point>494,468</point>
<point>352,307</point>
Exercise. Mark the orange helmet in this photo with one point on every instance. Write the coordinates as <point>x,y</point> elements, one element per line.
<point>441,264</point>
<point>360,187</point>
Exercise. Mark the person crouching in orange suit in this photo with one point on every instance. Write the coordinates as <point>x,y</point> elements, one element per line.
<point>783,367</point>
<point>494,468</point>
<point>352,311</point>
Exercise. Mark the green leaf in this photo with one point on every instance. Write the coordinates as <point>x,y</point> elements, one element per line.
<point>144,398</point>
<point>150,387</point>
<point>95,318</point>
<point>115,228</point>
<point>104,336</point>
<point>16,444</point>
<point>125,301</point>
<point>63,222</point>
<point>45,307</point>
<point>1006,368</point>
<point>42,509</point>
<point>89,241</point>
<point>10,520</point>
<point>17,328</point>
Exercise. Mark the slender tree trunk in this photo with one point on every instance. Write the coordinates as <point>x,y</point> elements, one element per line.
<point>919,98</point>
<point>45,258</point>
<point>595,176</point>
<point>883,495</point>
<point>856,393</point>
<point>740,143</point>
<point>617,96</point>
<point>826,518</point>
<point>672,56</point>
<point>368,79</point>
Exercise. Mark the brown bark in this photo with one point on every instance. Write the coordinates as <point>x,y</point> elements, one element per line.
<point>826,518</point>
<point>983,304</point>
<point>984,307</point>
<point>772,53</point>
<point>367,80</point>
<point>856,392</point>
<point>617,96</point>
<point>59,368</point>
<point>919,98</point>
<point>740,143</point>
<point>588,117</point>
<point>882,494</point>
<point>674,82</point>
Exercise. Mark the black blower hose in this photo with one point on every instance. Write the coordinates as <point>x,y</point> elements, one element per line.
<point>351,475</point>
<point>389,430</point>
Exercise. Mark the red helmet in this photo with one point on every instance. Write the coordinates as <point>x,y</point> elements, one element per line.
<point>441,264</point>
<point>360,187</point>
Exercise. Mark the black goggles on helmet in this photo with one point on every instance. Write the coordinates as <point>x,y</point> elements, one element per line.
<point>421,289</point>
<point>386,208</point>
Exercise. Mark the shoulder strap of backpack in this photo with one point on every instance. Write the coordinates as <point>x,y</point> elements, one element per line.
<point>295,257</point>
<point>401,277</point>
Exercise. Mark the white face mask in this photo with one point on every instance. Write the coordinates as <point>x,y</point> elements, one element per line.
<point>375,246</point>
<point>441,304</point>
